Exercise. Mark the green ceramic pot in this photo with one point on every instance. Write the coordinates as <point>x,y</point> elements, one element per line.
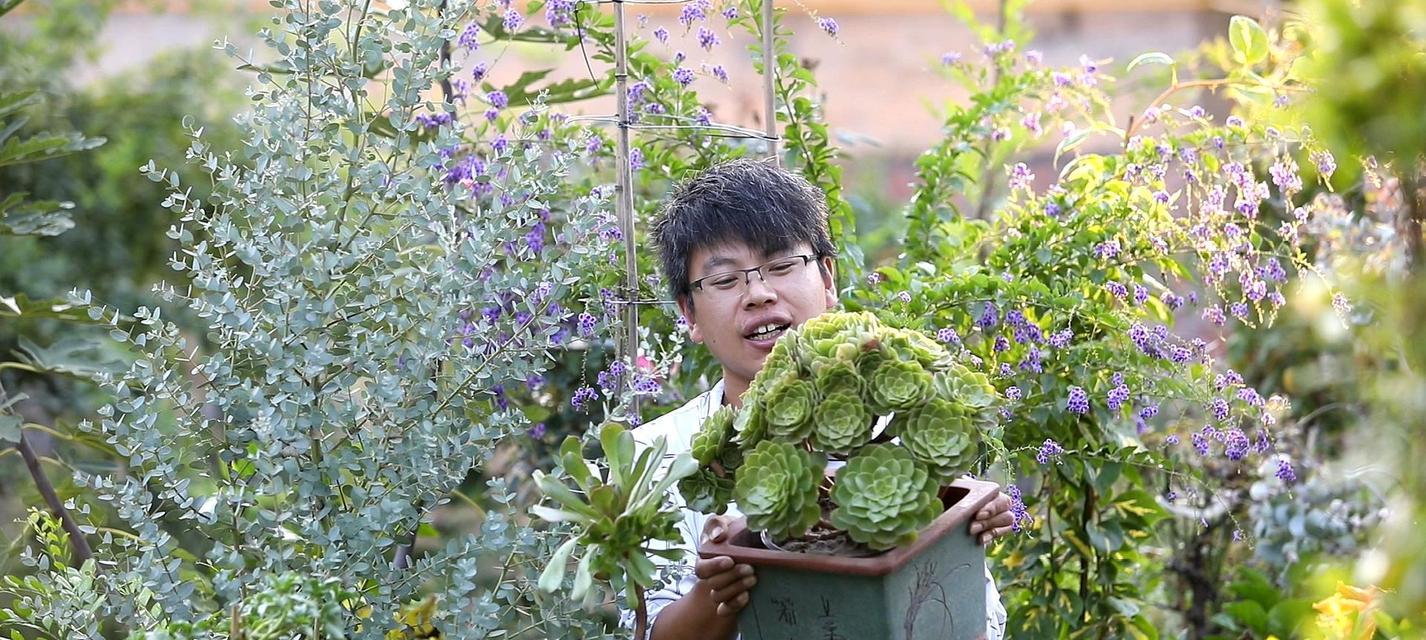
<point>932,589</point>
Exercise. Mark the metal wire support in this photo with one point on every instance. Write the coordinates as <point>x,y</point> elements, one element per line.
<point>769,83</point>
<point>628,347</point>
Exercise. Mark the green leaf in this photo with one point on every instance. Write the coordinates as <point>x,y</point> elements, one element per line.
<point>1249,41</point>
<point>10,428</point>
<point>583,577</point>
<point>1250,614</point>
<point>1152,57</point>
<point>553,575</point>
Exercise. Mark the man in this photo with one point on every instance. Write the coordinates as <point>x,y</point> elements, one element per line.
<point>745,249</point>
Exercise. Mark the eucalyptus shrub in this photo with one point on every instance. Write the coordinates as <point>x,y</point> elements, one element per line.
<point>351,382</point>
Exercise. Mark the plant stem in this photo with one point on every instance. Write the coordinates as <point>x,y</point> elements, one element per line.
<point>641,614</point>
<point>82,552</point>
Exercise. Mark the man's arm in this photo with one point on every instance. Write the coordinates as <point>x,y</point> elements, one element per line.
<point>709,611</point>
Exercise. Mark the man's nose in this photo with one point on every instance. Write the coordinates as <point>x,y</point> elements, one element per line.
<point>759,291</point>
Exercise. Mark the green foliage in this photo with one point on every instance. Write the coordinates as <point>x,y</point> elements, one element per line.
<point>810,401</point>
<point>776,488</point>
<point>884,497</point>
<point>614,516</point>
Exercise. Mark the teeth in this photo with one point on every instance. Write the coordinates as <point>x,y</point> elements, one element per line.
<point>765,330</point>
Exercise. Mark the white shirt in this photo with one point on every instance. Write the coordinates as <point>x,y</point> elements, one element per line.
<point>677,427</point>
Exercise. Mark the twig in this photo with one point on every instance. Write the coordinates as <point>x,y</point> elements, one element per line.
<point>76,537</point>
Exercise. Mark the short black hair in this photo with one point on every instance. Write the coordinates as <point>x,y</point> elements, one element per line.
<point>755,202</point>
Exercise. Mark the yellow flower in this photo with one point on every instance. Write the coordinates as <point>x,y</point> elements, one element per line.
<point>1347,614</point>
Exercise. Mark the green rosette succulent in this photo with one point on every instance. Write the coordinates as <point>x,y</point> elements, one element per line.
<point>916,346</point>
<point>838,376</point>
<point>750,423</point>
<point>788,407</point>
<point>960,385</point>
<point>706,491</point>
<point>941,435</point>
<point>713,435</point>
<point>781,362</point>
<point>777,489</point>
<point>842,423</point>
<point>897,385</point>
<point>884,497</point>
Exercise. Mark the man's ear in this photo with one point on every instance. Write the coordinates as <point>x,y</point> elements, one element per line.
<point>685,307</point>
<point>829,280</point>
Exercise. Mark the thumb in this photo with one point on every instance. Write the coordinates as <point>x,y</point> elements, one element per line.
<point>715,530</point>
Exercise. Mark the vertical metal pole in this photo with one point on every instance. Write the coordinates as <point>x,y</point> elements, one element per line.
<point>769,80</point>
<point>628,348</point>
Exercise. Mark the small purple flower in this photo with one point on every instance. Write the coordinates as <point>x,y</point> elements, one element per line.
<point>730,13</point>
<point>1239,310</point>
<point>683,76</point>
<point>948,335</point>
<point>1200,444</point>
<point>636,159</point>
<point>497,99</point>
<point>1061,339</point>
<point>1141,295</point>
<point>500,145</point>
<point>1001,344</point>
<point>537,432</point>
<point>477,72</point>
<point>1117,396</point>
<point>1326,164</point>
<point>469,37</point>
<point>646,386</point>
<point>707,39</point>
<point>1052,209</point>
<point>1285,472</point>
<point>1116,289</point>
<point>1235,444</point>
<point>661,34</point>
<point>1220,409</point>
<point>1149,412</point>
<point>1021,177</point>
<point>1019,514</point>
<point>720,73</point>
<point>1250,396</point>
<point>1341,304</point>
<point>904,296</point>
<point>692,12</point>
<point>1214,314</point>
<point>585,324</point>
<point>1049,451</point>
<point>989,316</point>
<point>1013,393</point>
<point>829,25</point>
<point>1106,250</point>
<point>950,57</point>
<point>513,20</point>
<point>1078,401</point>
<point>1172,300</point>
<point>1171,440</point>
<point>582,397</point>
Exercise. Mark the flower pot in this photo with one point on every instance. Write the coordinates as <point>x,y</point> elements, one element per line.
<point>932,589</point>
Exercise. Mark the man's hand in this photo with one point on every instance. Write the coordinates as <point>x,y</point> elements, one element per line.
<point>725,583</point>
<point>994,520</point>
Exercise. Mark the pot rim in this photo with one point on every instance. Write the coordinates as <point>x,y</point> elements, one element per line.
<point>978,494</point>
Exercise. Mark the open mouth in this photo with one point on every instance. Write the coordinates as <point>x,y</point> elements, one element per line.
<point>769,331</point>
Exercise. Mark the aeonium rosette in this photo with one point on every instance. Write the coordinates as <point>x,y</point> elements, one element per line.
<point>894,405</point>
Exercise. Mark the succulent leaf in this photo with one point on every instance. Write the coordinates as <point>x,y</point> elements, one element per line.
<point>777,489</point>
<point>884,497</point>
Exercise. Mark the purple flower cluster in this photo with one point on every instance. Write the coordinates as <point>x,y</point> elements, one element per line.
<point>585,324</point>
<point>1049,451</point>
<point>469,37</point>
<point>1021,178</point>
<point>829,25</point>
<point>1285,472</point>
<point>1107,249</point>
<point>559,12</point>
<point>1078,401</point>
<point>513,20</point>
<point>646,385</point>
<point>683,76</point>
<point>1117,397</point>
<point>948,335</point>
<point>707,39</point>
<point>1061,339</point>
<point>582,397</point>
<point>1019,514</point>
<point>1235,444</point>
<point>989,316</point>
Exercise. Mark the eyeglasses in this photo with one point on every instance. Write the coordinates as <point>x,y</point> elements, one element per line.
<point>733,284</point>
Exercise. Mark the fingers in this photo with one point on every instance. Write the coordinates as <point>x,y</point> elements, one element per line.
<point>732,607</point>
<point>715,529</point>
<point>726,578</point>
<point>738,586</point>
<point>709,567</point>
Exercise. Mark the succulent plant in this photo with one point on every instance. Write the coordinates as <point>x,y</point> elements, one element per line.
<point>895,385</point>
<point>788,407</point>
<point>941,435</point>
<point>820,392</point>
<point>713,436</point>
<point>884,497</point>
<point>707,491</point>
<point>841,422</point>
<point>777,489</point>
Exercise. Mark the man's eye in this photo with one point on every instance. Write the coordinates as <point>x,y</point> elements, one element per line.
<point>781,268</point>
<point>723,282</point>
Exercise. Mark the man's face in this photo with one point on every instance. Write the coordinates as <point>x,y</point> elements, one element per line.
<point>733,323</point>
